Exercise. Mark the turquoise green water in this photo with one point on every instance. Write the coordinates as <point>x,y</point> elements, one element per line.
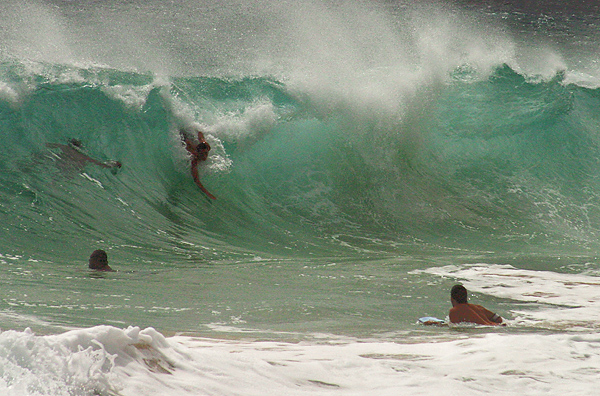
<point>319,220</point>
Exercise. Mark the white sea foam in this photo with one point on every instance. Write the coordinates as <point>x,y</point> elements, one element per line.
<point>105,360</point>
<point>247,125</point>
<point>132,97</point>
<point>9,94</point>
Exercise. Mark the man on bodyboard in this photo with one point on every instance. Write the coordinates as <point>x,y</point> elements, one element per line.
<point>463,311</point>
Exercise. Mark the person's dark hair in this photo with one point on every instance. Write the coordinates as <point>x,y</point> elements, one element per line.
<point>98,259</point>
<point>202,146</point>
<point>459,294</point>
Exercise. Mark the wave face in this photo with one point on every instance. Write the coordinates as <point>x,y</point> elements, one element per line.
<point>501,163</point>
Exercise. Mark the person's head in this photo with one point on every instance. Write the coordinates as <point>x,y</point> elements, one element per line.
<point>99,261</point>
<point>202,148</point>
<point>458,294</point>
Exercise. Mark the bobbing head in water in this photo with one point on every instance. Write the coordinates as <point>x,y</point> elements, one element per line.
<point>99,261</point>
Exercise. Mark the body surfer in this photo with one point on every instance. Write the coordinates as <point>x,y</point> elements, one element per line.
<point>198,150</point>
<point>72,157</point>
<point>462,311</point>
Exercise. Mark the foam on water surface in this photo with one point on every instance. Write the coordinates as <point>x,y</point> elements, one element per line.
<point>109,361</point>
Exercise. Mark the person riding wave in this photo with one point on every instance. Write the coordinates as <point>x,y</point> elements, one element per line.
<point>198,152</point>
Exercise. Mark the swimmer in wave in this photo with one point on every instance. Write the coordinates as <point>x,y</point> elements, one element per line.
<point>99,261</point>
<point>73,158</point>
<point>198,150</point>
